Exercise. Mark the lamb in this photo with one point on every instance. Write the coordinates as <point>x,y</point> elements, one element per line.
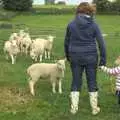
<point>48,46</point>
<point>25,43</point>
<point>11,48</point>
<point>13,36</point>
<point>18,37</point>
<point>53,71</point>
<point>37,50</point>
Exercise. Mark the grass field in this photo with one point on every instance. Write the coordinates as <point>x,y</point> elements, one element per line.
<point>16,103</point>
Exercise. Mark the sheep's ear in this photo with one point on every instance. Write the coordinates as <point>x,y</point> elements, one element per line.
<point>118,57</point>
<point>65,59</point>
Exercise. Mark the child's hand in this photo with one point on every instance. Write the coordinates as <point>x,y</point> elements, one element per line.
<point>101,67</point>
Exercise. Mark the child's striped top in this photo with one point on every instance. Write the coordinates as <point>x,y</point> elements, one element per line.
<point>113,71</point>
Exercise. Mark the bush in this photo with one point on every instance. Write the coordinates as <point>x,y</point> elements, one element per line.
<point>6,26</point>
<point>17,5</point>
<point>7,15</point>
<point>54,9</point>
<point>104,6</point>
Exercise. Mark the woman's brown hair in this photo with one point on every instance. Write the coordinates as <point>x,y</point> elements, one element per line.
<point>86,8</point>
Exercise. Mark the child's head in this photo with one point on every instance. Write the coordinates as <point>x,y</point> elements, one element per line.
<point>117,61</point>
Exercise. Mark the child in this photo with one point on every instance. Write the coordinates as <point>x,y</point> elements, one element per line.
<point>116,72</point>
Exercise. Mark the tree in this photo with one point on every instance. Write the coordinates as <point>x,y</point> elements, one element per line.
<point>103,5</point>
<point>17,5</point>
<point>116,6</point>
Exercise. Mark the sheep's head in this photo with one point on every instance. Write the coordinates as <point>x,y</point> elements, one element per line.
<point>61,64</point>
<point>15,35</point>
<point>32,54</point>
<point>14,43</point>
<point>117,61</point>
<point>21,31</point>
<point>51,38</point>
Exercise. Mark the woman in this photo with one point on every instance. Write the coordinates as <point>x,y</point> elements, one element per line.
<point>82,36</point>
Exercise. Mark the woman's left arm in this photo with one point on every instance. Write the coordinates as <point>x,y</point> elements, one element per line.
<point>66,42</point>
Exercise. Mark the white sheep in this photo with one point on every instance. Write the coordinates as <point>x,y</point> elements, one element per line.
<point>25,43</point>
<point>48,46</point>
<point>53,71</point>
<point>37,49</point>
<point>13,36</point>
<point>11,48</point>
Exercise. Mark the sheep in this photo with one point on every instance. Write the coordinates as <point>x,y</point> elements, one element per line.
<point>25,43</point>
<point>53,71</point>
<point>18,37</point>
<point>11,48</point>
<point>48,46</point>
<point>13,36</point>
<point>37,50</point>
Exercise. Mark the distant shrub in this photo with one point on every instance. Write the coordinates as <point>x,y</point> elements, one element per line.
<point>7,15</point>
<point>6,26</point>
<point>54,10</point>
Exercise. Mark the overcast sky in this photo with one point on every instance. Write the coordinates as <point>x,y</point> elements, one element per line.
<point>70,1</point>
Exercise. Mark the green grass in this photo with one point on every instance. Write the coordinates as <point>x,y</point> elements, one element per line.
<point>16,103</point>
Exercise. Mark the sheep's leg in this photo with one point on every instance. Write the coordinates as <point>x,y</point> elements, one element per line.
<point>26,50</point>
<point>60,86</point>
<point>15,58</point>
<point>40,58</point>
<point>53,87</point>
<point>45,54</point>
<point>35,59</point>
<point>48,54</point>
<point>21,47</point>
<point>12,58</point>
<point>31,86</point>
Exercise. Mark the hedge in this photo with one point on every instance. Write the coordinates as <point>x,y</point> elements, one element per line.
<point>54,9</point>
